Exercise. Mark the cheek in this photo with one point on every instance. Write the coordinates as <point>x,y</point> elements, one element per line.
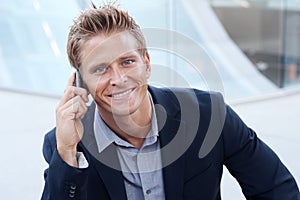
<point>99,89</point>
<point>96,87</point>
<point>148,74</point>
<point>139,73</point>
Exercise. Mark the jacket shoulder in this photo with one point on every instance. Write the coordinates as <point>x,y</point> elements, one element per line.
<point>200,97</point>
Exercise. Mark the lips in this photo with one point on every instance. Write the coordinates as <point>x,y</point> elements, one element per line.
<point>121,94</point>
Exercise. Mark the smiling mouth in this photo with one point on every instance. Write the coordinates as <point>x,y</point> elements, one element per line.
<point>121,94</point>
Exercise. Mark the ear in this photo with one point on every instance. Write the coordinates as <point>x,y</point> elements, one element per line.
<point>147,64</point>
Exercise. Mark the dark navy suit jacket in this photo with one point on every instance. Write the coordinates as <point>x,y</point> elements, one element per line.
<point>198,135</point>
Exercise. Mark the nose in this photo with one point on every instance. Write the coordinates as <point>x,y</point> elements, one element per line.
<point>117,76</point>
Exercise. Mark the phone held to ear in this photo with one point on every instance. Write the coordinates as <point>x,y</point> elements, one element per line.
<point>78,80</point>
<point>79,83</point>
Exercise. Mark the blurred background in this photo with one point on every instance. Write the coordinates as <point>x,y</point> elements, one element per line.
<point>249,50</point>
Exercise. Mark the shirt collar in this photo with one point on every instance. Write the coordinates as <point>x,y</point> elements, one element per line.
<point>105,136</point>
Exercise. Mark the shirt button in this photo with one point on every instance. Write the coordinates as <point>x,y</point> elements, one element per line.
<point>72,191</point>
<point>134,158</point>
<point>71,195</point>
<point>73,187</point>
<point>148,191</point>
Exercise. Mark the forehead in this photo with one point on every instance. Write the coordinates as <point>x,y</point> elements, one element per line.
<point>107,48</point>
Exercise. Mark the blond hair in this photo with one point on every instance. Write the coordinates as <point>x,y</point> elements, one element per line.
<point>106,19</point>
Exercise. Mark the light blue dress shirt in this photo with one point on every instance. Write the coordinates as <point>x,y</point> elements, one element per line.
<point>141,168</point>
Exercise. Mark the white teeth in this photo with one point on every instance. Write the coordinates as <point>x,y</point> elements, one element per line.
<point>121,94</point>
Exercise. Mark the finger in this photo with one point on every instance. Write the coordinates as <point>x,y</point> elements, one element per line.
<point>83,93</point>
<point>71,79</point>
<point>75,106</point>
<point>80,110</point>
<point>79,128</point>
<point>80,107</point>
<point>76,101</point>
<point>70,113</point>
<point>79,90</point>
<point>71,92</point>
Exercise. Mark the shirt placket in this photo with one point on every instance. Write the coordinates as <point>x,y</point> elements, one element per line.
<point>145,176</point>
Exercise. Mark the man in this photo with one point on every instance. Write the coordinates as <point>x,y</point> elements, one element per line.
<point>140,142</point>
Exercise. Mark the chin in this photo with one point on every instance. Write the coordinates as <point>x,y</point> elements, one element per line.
<point>120,110</point>
<point>123,112</point>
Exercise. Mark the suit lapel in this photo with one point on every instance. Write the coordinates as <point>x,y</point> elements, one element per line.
<point>106,163</point>
<point>108,167</point>
<point>171,139</point>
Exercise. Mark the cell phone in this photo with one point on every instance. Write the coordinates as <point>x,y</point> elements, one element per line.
<point>78,81</point>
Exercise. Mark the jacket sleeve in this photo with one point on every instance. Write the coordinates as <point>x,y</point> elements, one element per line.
<point>256,167</point>
<point>62,181</point>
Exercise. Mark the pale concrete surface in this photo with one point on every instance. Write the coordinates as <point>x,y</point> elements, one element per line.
<point>275,118</point>
<point>26,118</point>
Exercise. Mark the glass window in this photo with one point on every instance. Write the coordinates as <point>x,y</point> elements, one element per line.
<point>187,44</point>
<point>32,44</point>
<point>268,33</point>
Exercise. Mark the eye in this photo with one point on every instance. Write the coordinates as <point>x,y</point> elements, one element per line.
<point>101,70</point>
<point>127,62</point>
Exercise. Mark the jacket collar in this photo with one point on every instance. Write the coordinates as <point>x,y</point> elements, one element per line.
<point>112,177</point>
<point>171,137</point>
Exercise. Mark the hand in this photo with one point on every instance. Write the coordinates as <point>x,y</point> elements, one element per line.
<point>69,129</point>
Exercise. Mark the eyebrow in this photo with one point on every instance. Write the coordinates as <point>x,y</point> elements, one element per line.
<point>127,55</point>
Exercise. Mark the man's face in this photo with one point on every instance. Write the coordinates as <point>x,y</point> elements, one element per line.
<point>115,73</point>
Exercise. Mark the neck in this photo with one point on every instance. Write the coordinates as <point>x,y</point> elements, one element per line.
<point>133,127</point>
